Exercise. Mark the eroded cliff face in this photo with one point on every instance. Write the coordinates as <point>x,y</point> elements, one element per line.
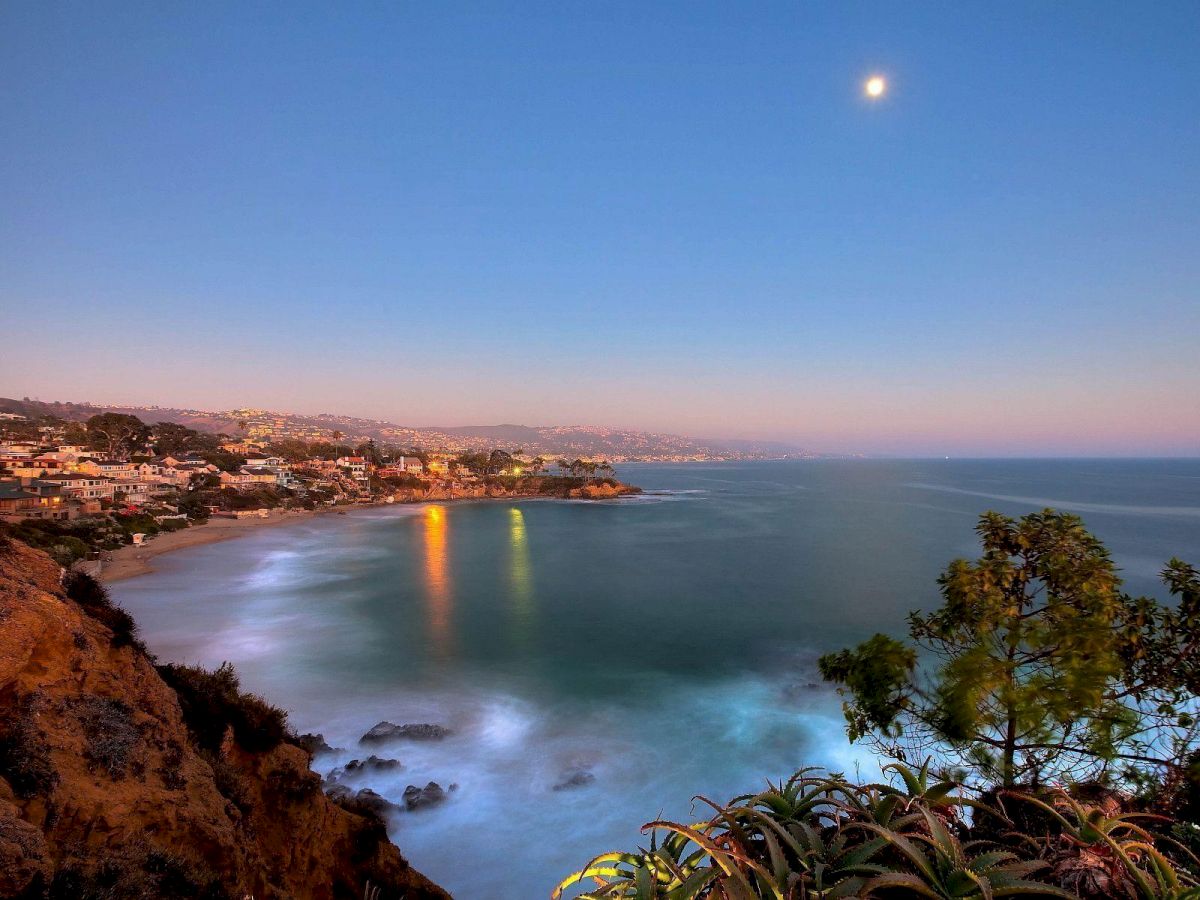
<point>104,790</point>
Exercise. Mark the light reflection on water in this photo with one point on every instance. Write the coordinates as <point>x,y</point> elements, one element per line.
<point>520,579</point>
<point>437,580</point>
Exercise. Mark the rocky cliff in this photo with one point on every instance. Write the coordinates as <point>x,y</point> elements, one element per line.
<point>532,486</point>
<point>110,787</point>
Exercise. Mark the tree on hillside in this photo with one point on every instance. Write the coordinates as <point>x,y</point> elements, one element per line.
<point>370,452</point>
<point>291,449</point>
<point>75,433</point>
<point>498,461</point>
<point>172,439</point>
<point>475,461</point>
<point>223,459</point>
<point>1035,667</point>
<point>116,434</point>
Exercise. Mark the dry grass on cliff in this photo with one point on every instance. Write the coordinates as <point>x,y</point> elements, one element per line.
<point>213,702</point>
<point>94,600</point>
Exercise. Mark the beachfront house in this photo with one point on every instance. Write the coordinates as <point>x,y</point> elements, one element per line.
<point>83,485</point>
<point>356,468</point>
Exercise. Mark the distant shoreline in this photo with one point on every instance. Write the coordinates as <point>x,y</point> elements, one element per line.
<point>133,560</point>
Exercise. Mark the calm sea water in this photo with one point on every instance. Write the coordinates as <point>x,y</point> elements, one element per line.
<point>664,643</point>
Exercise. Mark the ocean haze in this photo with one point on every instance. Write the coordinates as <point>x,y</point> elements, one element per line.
<point>664,643</point>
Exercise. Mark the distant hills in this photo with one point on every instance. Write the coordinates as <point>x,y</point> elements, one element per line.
<point>554,441</point>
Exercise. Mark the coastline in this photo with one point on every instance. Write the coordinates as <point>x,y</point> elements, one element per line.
<point>133,560</point>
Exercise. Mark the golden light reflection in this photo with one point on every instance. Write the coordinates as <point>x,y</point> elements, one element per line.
<point>437,579</point>
<point>520,573</point>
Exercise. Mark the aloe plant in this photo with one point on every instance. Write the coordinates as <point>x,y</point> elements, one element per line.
<point>818,835</point>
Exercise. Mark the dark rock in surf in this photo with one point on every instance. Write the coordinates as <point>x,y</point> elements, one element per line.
<point>378,804</point>
<point>576,779</point>
<point>371,764</point>
<point>387,731</point>
<point>315,744</point>
<point>421,798</point>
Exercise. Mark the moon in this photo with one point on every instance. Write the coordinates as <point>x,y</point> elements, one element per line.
<point>875,87</point>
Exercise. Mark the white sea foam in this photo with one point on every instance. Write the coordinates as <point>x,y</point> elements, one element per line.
<point>508,752</point>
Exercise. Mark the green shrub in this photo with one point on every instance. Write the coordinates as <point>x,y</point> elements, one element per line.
<point>143,873</point>
<point>293,785</point>
<point>25,755</point>
<point>93,598</point>
<point>112,738</point>
<point>212,702</point>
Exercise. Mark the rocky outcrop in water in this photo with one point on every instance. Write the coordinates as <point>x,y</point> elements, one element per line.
<point>315,744</point>
<point>107,788</point>
<point>576,779</point>
<point>422,798</point>
<point>372,764</point>
<point>529,486</point>
<point>387,731</point>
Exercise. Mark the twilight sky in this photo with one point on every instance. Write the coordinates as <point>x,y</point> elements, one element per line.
<point>680,217</point>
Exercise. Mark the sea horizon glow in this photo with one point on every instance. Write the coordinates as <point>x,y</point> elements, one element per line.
<point>689,220</point>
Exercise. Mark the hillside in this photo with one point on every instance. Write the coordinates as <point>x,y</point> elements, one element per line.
<point>551,441</point>
<point>109,788</point>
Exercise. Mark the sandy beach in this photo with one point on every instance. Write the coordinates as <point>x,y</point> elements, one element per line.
<point>131,560</point>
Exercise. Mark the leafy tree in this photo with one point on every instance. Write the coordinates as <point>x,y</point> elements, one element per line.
<point>75,433</point>
<point>223,459</point>
<point>1035,666</point>
<point>326,450</point>
<point>172,439</point>
<point>473,461</point>
<point>116,434</point>
<point>498,461</point>
<point>370,452</point>
<point>291,449</point>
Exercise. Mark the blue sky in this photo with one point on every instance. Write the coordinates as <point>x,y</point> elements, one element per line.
<point>679,217</point>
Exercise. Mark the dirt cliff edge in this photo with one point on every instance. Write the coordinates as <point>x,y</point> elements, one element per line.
<point>105,790</point>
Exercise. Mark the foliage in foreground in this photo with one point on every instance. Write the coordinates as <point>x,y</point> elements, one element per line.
<point>818,835</point>
<point>1036,668</point>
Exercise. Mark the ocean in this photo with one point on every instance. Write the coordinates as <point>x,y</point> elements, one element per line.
<point>663,644</point>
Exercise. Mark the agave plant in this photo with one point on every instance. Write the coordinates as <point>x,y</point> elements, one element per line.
<point>670,870</point>
<point>820,836</point>
<point>941,865</point>
<point>1096,854</point>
